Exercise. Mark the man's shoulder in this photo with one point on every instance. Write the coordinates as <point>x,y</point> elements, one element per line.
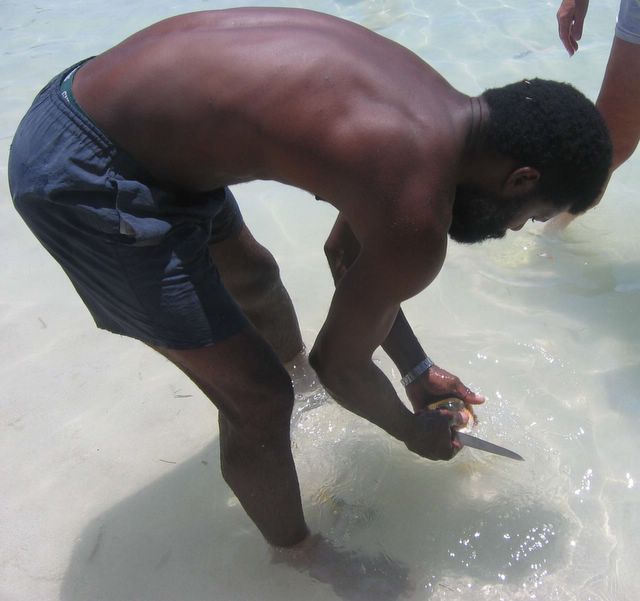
<point>408,245</point>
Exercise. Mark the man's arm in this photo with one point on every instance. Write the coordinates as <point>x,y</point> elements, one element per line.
<point>401,344</point>
<point>362,314</point>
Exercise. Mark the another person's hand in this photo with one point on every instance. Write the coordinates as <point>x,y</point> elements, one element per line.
<point>437,384</point>
<point>571,15</point>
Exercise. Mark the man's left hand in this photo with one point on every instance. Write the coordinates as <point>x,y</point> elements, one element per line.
<point>437,384</point>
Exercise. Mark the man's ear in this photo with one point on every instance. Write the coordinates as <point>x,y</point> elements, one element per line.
<point>522,181</point>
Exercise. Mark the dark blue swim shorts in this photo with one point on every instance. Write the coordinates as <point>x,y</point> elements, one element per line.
<point>135,249</point>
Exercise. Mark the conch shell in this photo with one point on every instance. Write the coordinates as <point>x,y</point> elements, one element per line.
<point>455,404</point>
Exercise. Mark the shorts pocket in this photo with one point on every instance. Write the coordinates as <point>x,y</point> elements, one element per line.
<point>138,224</point>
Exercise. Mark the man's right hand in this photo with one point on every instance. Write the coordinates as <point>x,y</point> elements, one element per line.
<point>431,435</point>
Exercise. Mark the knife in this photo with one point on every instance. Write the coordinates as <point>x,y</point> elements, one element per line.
<point>484,445</point>
<point>454,404</point>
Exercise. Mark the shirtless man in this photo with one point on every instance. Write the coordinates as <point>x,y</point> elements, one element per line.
<point>121,168</point>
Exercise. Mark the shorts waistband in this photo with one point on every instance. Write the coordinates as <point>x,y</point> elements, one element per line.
<point>59,93</point>
<point>66,89</point>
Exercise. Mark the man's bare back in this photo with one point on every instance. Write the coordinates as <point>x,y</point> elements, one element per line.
<point>288,95</point>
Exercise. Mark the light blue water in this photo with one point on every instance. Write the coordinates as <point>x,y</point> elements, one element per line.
<point>110,482</point>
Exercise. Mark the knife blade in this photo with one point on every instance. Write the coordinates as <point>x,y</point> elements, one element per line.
<point>485,445</point>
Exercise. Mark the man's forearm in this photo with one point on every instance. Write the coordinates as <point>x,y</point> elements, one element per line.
<point>402,346</point>
<point>367,392</point>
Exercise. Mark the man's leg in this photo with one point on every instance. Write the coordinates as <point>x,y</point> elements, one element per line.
<point>244,378</point>
<point>251,274</point>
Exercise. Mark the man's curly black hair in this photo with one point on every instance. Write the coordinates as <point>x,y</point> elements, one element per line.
<point>554,128</point>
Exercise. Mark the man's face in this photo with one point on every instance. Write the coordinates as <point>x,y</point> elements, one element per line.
<point>477,217</point>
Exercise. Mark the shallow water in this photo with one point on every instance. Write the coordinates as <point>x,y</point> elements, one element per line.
<point>111,488</point>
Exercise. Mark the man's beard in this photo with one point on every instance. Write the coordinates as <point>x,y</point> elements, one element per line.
<point>476,218</point>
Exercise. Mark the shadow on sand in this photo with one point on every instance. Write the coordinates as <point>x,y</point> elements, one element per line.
<point>185,537</point>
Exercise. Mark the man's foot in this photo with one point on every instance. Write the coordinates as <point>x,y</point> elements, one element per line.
<point>353,576</point>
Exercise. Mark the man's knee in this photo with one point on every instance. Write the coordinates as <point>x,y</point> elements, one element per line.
<point>265,412</point>
<point>275,406</point>
<point>244,379</point>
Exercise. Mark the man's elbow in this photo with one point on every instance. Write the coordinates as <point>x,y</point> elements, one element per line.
<point>331,374</point>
